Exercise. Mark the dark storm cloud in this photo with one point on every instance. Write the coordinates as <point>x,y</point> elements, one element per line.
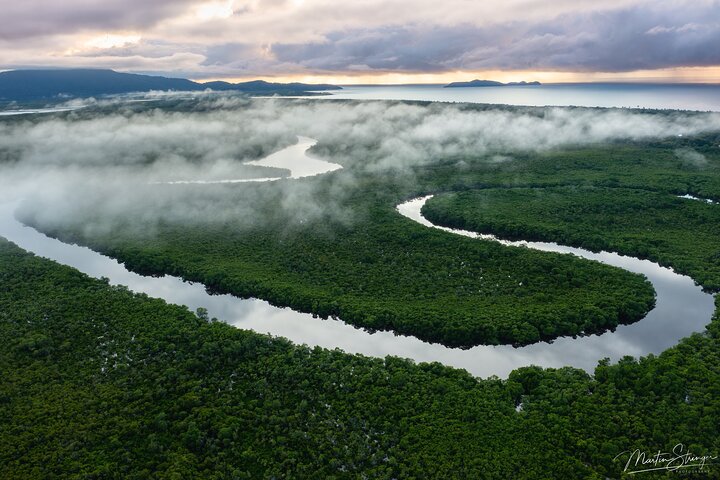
<point>30,18</point>
<point>414,48</point>
<point>216,38</point>
<point>641,37</point>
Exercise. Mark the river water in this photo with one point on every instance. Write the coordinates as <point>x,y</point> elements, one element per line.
<point>682,307</point>
<point>286,158</point>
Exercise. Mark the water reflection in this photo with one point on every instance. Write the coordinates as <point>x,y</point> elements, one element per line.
<point>297,160</point>
<point>294,158</point>
<point>682,308</point>
<point>693,197</point>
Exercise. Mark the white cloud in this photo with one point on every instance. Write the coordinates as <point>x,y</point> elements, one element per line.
<point>285,36</point>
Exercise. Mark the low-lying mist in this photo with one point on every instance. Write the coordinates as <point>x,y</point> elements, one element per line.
<point>106,158</point>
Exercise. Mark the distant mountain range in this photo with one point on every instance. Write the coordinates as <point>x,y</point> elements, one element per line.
<point>48,84</point>
<point>488,83</point>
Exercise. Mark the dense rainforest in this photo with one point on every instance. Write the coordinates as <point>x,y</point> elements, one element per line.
<point>673,231</point>
<point>384,272</point>
<point>98,382</point>
<point>342,250</point>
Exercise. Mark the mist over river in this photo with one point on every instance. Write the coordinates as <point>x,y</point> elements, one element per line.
<point>681,307</point>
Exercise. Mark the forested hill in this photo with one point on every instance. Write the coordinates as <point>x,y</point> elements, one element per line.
<point>489,83</point>
<point>21,85</point>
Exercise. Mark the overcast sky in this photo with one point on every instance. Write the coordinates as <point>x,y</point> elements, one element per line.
<point>370,40</point>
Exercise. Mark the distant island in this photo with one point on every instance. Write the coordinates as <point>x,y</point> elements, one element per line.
<point>22,85</point>
<point>489,83</point>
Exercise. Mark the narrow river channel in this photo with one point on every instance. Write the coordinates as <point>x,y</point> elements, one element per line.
<point>681,309</point>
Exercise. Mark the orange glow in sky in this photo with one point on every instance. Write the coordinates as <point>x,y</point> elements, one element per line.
<point>371,41</point>
<point>670,75</point>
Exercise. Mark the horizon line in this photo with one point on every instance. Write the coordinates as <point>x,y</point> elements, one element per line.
<point>676,76</point>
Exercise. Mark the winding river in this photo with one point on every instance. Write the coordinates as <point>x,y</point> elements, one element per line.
<point>286,158</point>
<point>681,309</point>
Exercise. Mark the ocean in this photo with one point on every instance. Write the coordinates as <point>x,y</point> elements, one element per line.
<point>701,97</point>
